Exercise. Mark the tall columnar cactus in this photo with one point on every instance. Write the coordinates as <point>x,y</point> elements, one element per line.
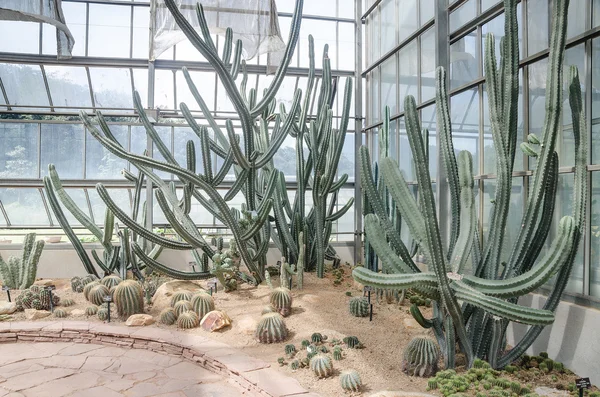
<point>19,272</point>
<point>489,295</point>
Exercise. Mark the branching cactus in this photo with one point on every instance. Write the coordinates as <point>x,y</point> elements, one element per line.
<point>475,307</point>
<point>19,272</point>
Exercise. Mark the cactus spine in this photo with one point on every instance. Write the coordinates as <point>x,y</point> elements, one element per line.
<point>129,298</point>
<point>91,310</point>
<point>271,329</point>
<point>489,295</point>
<point>19,272</point>
<point>281,300</point>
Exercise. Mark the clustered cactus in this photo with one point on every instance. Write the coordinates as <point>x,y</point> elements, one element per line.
<point>36,298</point>
<point>19,272</point>
<point>420,357</point>
<point>271,329</point>
<point>91,310</point>
<point>476,309</point>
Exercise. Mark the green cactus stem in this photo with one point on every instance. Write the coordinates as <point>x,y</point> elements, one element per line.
<point>97,294</point>
<point>19,272</point>
<point>352,342</point>
<point>111,281</point>
<point>60,313</point>
<point>337,353</point>
<point>281,300</point>
<point>182,306</point>
<point>179,296</point>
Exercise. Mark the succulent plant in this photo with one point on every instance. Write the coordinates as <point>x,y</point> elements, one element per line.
<point>515,387</point>
<point>37,304</point>
<point>420,357</point>
<point>76,284</point>
<point>35,289</point>
<point>60,313</point>
<point>350,380</point>
<point>19,272</point>
<point>558,366</point>
<point>168,316</point>
<point>337,353</point>
<point>45,297</point>
<point>202,303</point>
<point>26,300</point>
<point>182,306</point>
<point>432,384</point>
<point>290,349</point>
<point>88,287</point>
<point>321,365</point>
<point>271,329</point>
<point>103,313</point>
<point>323,349</point>
<point>544,354</point>
<point>294,365</point>
<point>359,307</point>
<point>88,279</point>
<point>268,309</point>
<point>68,302</point>
<point>179,296</point>
<point>352,342</point>
<point>188,320</point>
<point>316,338</point>
<point>111,281</point>
<point>129,298</point>
<point>549,363</point>
<point>281,300</point>
<point>97,294</point>
<point>305,343</point>
<point>91,310</point>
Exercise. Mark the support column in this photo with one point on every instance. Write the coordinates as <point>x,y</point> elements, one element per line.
<point>358,122</point>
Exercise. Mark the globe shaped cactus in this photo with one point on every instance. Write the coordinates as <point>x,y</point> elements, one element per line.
<point>359,307</point>
<point>91,310</point>
<point>68,302</point>
<point>350,380</point>
<point>88,287</point>
<point>180,296</point>
<point>321,365</point>
<point>60,313</point>
<point>168,316</point>
<point>182,306</point>
<point>129,298</point>
<point>188,320</point>
<point>281,300</point>
<point>111,281</point>
<point>97,294</point>
<point>420,357</point>
<point>103,314</point>
<point>271,328</point>
<point>202,303</point>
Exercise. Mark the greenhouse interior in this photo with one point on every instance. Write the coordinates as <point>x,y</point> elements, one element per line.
<point>300,198</point>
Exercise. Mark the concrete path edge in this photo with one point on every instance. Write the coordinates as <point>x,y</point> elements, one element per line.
<point>249,373</point>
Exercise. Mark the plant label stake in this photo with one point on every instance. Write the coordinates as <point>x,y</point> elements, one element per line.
<point>193,266</point>
<point>108,299</point>
<point>583,383</point>
<point>50,288</point>
<point>212,284</point>
<point>371,312</point>
<point>5,288</point>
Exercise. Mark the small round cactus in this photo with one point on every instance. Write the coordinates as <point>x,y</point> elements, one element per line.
<point>271,329</point>
<point>432,384</point>
<point>182,306</point>
<point>103,313</point>
<point>91,310</point>
<point>76,284</point>
<point>359,307</point>
<point>420,357</point>
<point>281,300</point>
<point>111,281</point>
<point>294,365</point>
<point>67,302</point>
<point>352,342</point>
<point>188,320</point>
<point>510,369</point>
<point>337,353</point>
<point>37,304</point>
<point>305,343</point>
<point>321,365</point>
<point>60,313</point>
<point>45,297</point>
<point>88,287</point>
<point>168,316</point>
<point>180,296</point>
<point>350,380</point>
<point>97,293</point>
<point>88,279</point>
<point>515,387</point>
<point>290,349</point>
<point>35,289</point>
<point>202,303</point>
<point>316,338</point>
<point>268,309</point>
<point>558,366</point>
<point>129,298</point>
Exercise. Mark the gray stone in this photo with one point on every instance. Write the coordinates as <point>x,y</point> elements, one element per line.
<point>139,320</point>
<point>7,307</point>
<point>33,314</point>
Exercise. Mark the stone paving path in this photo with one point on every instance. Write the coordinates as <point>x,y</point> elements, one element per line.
<point>89,370</point>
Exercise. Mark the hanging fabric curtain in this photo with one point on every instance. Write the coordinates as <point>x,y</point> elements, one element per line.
<point>254,22</point>
<point>44,11</point>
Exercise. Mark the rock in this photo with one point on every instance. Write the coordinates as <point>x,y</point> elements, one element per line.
<point>77,312</point>
<point>549,391</point>
<point>246,325</point>
<point>33,314</point>
<point>162,296</point>
<point>215,320</point>
<point>139,320</point>
<point>45,282</point>
<point>7,307</point>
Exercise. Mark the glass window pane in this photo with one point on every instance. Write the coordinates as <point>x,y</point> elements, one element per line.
<point>407,19</point>
<point>427,9</point>
<point>537,26</point>
<point>109,30</point>
<point>318,7</point>
<point>428,65</point>
<point>374,36</point>
<point>28,34</point>
<point>24,206</point>
<point>99,162</point>
<point>577,18</point>
<point>111,87</point>
<point>198,213</point>
<point>595,237</point>
<point>596,13</point>
<point>181,137</point>
<point>565,145</point>
<point>69,86</point>
<point>119,196</point>
<point>205,84</point>
<point>164,97</point>
<point>346,164</point>
<point>18,152</point>
<point>140,84</point>
<point>408,73</point>
<point>346,8</point>
<point>346,222</point>
<point>164,133</point>
<point>388,25</point>
<point>487,4</point>
<point>62,145</point>
<point>393,149</point>
<point>24,85</point>
<point>595,149</point>
<point>463,14</point>
<point>285,158</point>
<point>75,16</point>
<point>323,32</point>
<point>464,60</point>
<point>141,26</point>
<point>388,85</point>
<point>346,46</point>
<point>374,113</point>
<point>464,109</point>
<point>185,51</point>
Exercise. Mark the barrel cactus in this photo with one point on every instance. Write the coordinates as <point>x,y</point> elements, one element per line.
<point>271,328</point>
<point>337,353</point>
<point>180,296</point>
<point>316,338</point>
<point>188,320</point>
<point>352,342</point>
<point>60,313</point>
<point>129,298</point>
<point>290,349</point>
<point>76,284</point>
<point>97,294</point>
<point>281,300</point>
<point>420,357</point>
<point>111,281</point>
<point>91,310</point>
<point>168,316</point>
<point>294,365</point>
<point>182,306</point>
<point>103,313</point>
<point>88,287</point>
<point>45,297</point>
<point>67,302</point>
<point>359,307</point>
<point>37,304</point>
<point>350,380</point>
<point>321,365</point>
<point>202,303</point>
<point>268,309</point>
